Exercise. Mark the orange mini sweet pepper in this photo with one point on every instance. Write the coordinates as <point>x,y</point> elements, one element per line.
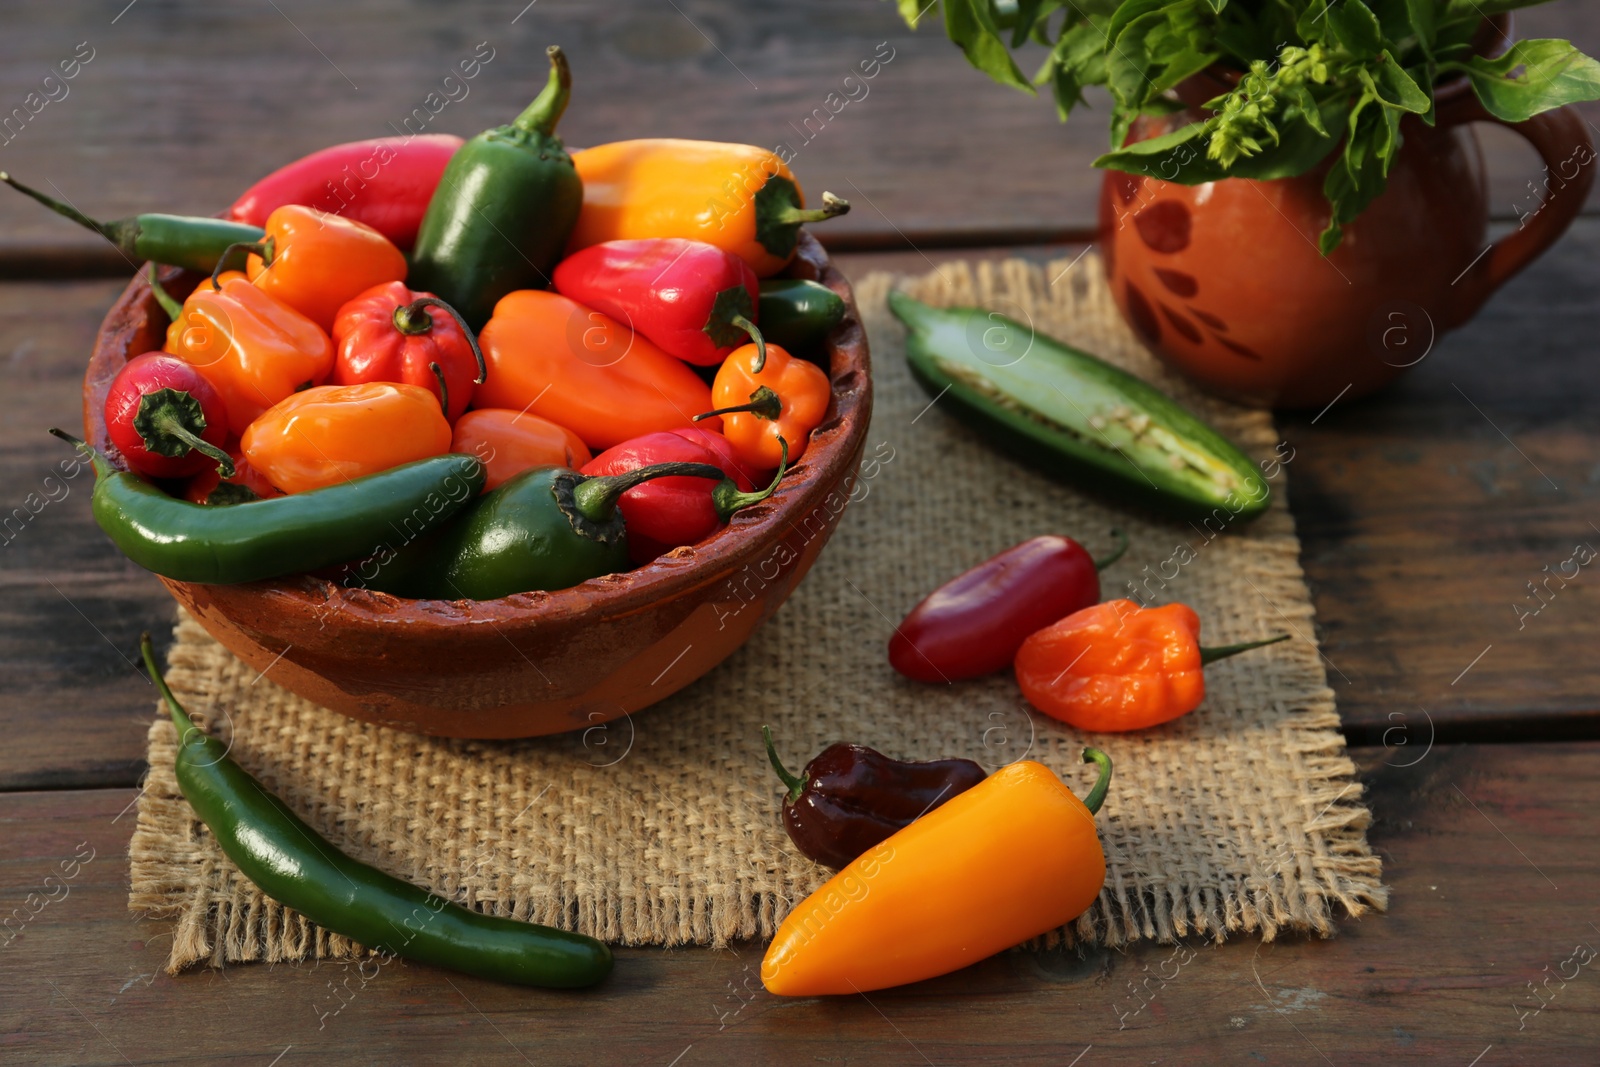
<point>314,261</point>
<point>763,401</point>
<point>337,433</point>
<point>583,370</point>
<point>509,442</point>
<point>255,349</point>
<point>1116,666</point>
<point>741,198</point>
<point>1011,858</point>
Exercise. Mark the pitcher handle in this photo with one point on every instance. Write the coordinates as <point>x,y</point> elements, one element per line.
<point>1563,143</point>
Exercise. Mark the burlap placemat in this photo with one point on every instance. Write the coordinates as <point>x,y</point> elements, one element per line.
<point>1243,817</point>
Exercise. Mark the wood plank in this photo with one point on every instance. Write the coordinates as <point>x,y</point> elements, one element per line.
<point>181,110</point>
<point>70,608</point>
<point>1425,511</point>
<point>189,94</point>
<point>1487,849</point>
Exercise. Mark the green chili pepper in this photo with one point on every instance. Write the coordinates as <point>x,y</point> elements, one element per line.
<point>283,534</point>
<point>797,314</point>
<point>294,865</point>
<point>503,210</point>
<point>188,241</point>
<point>1074,416</point>
<point>546,528</point>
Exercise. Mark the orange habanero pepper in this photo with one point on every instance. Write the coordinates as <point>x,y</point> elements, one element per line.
<point>741,198</point>
<point>1116,666</point>
<point>315,262</point>
<point>580,369</point>
<point>762,401</point>
<point>509,442</point>
<point>336,433</point>
<point>1011,858</point>
<point>253,348</point>
<point>177,314</point>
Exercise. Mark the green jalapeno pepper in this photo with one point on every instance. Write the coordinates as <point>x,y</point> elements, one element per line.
<point>503,210</point>
<point>1076,417</point>
<point>797,314</point>
<point>188,241</point>
<point>299,868</point>
<point>280,535</point>
<point>547,528</point>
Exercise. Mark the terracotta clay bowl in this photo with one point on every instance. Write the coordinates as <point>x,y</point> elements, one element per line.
<point>535,663</point>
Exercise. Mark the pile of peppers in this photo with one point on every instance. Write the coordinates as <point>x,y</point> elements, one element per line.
<point>939,840</point>
<point>494,366</point>
<point>465,369</point>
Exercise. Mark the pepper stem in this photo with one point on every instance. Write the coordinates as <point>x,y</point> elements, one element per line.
<point>103,229</point>
<point>444,389</point>
<point>265,248</point>
<point>832,206</point>
<point>1211,655</point>
<point>411,319</point>
<point>1116,553</point>
<point>764,404</point>
<point>542,115</point>
<point>795,785</point>
<point>728,499</point>
<point>102,466</point>
<point>755,335</point>
<point>173,309</point>
<point>167,421</point>
<point>596,498</point>
<point>1097,795</point>
<point>180,718</point>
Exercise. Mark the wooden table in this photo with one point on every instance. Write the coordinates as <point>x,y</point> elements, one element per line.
<point>1424,513</point>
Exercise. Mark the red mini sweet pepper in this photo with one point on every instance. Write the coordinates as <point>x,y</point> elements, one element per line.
<point>668,512</point>
<point>974,623</point>
<point>387,334</point>
<point>385,183</point>
<point>693,299</point>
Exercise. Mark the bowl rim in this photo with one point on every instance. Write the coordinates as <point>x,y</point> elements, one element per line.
<point>753,533</point>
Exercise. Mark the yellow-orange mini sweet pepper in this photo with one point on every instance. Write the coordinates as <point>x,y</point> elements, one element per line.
<point>1011,858</point>
<point>741,198</point>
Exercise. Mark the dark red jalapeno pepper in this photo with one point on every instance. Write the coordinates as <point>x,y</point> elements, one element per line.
<point>692,299</point>
<point>668,512</point>
<point>385,183</point>
<point>974,623</point>
<point>850,798</point>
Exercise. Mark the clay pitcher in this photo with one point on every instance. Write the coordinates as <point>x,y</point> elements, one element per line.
<point>1225,282</point>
